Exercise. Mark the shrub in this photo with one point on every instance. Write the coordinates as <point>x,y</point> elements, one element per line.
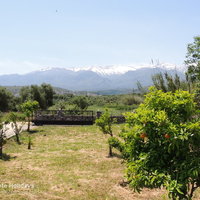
<point>130,100</point>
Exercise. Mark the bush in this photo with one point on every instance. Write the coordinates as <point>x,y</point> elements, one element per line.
<point>80,102</point>
<point>130,100</point>
<point>161,144</point>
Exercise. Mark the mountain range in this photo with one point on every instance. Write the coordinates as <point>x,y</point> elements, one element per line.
<point>92,78</point>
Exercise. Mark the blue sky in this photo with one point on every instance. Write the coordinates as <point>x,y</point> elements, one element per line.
<point>75,33</point>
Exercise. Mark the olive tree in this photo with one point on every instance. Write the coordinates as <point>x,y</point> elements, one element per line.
<point>17,121</point>
<point>80,102</point>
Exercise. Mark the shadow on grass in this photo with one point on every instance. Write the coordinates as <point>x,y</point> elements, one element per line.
<point>116,155</point>
<point>6,157</point>
<point>35,131</point>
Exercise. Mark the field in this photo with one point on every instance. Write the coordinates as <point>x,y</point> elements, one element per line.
<point>66,163</point>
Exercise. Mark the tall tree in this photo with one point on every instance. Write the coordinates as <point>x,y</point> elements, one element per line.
<point>193,60</point>
<point>167,82</point>
<point>48,93</point>
<point>25,93</point>
<point>37,95</point>
<point>42,94</point>
<point>6,100</point>
<point>159,82</point>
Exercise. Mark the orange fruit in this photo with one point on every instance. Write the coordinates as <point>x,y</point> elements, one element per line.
<point>143,135</point>
<point>167,136</point>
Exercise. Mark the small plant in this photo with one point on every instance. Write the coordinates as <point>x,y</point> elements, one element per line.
<point>104,122</point>
<point>17,121</point>
<point>28,108</point>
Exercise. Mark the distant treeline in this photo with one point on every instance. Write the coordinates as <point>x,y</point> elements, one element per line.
<point>50,98</point>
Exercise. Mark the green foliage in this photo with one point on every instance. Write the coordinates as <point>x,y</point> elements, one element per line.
<point>132,100</point>
<point>104,122</point>
<point>142,90</point>
<point>6,100</point>
<point>116,143</point>
<point>60,105</point>
<point>117,104</point>
<point>28,108</point>
<point>48,93</point>
<point>17,121</point>
<point>81,103</point>
<point>167,82</point>
<point>161,144</point>
<point>193,60</point>
<point>15,117</point>
<point>197,94</point>
<point>42,94</point>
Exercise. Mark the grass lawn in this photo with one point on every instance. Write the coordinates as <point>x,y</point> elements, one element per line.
<point>68,163</point>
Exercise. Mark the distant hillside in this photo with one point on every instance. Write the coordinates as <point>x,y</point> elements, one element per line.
<point>16,89</point>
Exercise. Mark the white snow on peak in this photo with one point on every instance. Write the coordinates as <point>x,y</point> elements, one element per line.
<point>120,69</point>
<point>46,69</point>
<point>107,70</point>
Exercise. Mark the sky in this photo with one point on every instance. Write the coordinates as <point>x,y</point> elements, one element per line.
<point>36,34</point>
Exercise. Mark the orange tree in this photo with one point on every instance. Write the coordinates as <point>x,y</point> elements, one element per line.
<point>104,122</point>
<point>160,144</point>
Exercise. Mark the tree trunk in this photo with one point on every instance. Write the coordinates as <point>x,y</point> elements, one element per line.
<point>17,138</point>
<point>29,143</point>
<point>1,148</point>
<point>110,148</point>
<point>110,151</point>
<point>29,122</point>
<point>193,188</point>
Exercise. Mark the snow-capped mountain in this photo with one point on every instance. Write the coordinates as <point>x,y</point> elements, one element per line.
<point>93,78</point>
<point>121,69</point>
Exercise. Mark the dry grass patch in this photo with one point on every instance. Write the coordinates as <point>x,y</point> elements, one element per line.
<point>66,163</point>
